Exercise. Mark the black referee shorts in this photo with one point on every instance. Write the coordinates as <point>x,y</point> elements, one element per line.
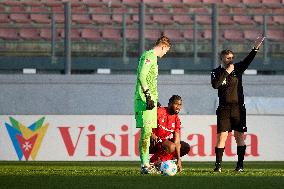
<point>231,117</point>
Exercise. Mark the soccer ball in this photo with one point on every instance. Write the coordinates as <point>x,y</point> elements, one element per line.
<point>168,168</point>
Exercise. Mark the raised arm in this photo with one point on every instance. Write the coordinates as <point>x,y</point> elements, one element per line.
<point>244,64</point>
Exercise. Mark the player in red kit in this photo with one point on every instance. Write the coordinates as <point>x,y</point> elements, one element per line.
<point>165,139</point>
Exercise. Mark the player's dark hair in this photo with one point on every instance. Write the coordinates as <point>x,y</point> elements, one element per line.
<point>163,40</point>
<point>225,52</point>
<point>174,98</point>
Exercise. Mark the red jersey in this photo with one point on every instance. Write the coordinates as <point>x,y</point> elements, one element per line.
<point>167,124</point>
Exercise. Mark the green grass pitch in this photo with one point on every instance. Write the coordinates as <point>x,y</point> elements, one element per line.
<point>93,175</point>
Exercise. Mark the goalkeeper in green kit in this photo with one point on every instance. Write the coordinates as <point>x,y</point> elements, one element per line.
<point>146,98</point>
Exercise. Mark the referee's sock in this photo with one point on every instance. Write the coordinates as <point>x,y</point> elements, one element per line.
<point>241,151</point>
<point>219,154</point>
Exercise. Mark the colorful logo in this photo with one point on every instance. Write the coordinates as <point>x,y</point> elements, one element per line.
<point>26,140</point>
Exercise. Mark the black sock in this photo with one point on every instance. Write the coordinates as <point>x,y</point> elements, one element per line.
<point>219,154</point>
<point>241,151</point>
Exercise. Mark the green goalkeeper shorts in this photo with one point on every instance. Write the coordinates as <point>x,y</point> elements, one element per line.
<point>145,118</point>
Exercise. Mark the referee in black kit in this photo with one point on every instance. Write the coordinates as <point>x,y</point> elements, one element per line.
<point>231,113</point>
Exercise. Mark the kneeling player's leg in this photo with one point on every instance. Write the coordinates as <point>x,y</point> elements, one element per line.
<point>184,149</point>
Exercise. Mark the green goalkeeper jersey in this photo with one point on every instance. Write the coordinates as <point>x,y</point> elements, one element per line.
<point>147,73</point>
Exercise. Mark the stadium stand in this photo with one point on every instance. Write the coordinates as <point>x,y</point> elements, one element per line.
<point>101,21</point>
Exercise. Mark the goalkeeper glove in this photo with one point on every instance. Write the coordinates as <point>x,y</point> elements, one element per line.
<point>149,102</point>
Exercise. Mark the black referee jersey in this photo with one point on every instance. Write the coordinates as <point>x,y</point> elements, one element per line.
<point>230,88</point>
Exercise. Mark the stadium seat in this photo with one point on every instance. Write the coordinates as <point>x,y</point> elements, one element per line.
<point>45,33</point>
<point>4,18</point>
<point>188,34</point>
<point>233,35</point>
<point>132,34</point>
<point>259,17</point>
<point>212,1</point>
<point>240,19</point>
<point>275,35</point>
<point>147,19</point>
<point>101,18</point>
<point>40,18</point>
<point>182,16</point>
<point>117,15</point>
<point>9,34</point>
<point>153,3</point>
<point>174,34</point>
<point>112,3</point>
<point>175,3</point>
<point>232,1</point>
<point>29,33</point>
<point>75,34</point>
<point>80,15</point>
<point>91,34</point>
<point>202,15</point>
<point>271,1</point>
<point>92,3</point>
<point>111,34</point>
<point>19,15</point>
<point>251,35</point>
<point>151,34</point>
<point>207,34</point>
<point>192,1</point>
<point>256,2</point>
<point>278,18</point>
<point>164,18</point>
<point>224,18</point>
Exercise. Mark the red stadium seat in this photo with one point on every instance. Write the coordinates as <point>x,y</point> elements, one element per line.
<point>240,19</point>
<point>165,18</point>
<point>4,18</point>
<point>147,19</point>
<point>224,18</point>
<point>207,34</point>
<point>91,34</point>
<point>151,34</point>
<point>92,3</point>
<point>101,18</point>
<point>276,35</point>
<point>131,3</point>
<point>202,15</point>
<point>256,2</point>
<point>29,34</point>
<point>111,34</point>
<point>271,1</point>
<point>9,34</point>
<point>153,3</point>
<point>80,15</point>
<point>19,15</point>
<point>75,34</point>
<point>182,16</point>
<point>212,1</point>
<point>192,1</point>
<point>259,17</point>
<point>174,34</point>
<point>45,34</point>
<point>232,1</point>
<point>278,18</point>
<point>112,3</point>
<point>117,15</point>
<point>132,34</point>
<point>188,34</point>
<point>233,35</point>
<point>40,18</point>
<point>175,3</point>
<point>251,35</point>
